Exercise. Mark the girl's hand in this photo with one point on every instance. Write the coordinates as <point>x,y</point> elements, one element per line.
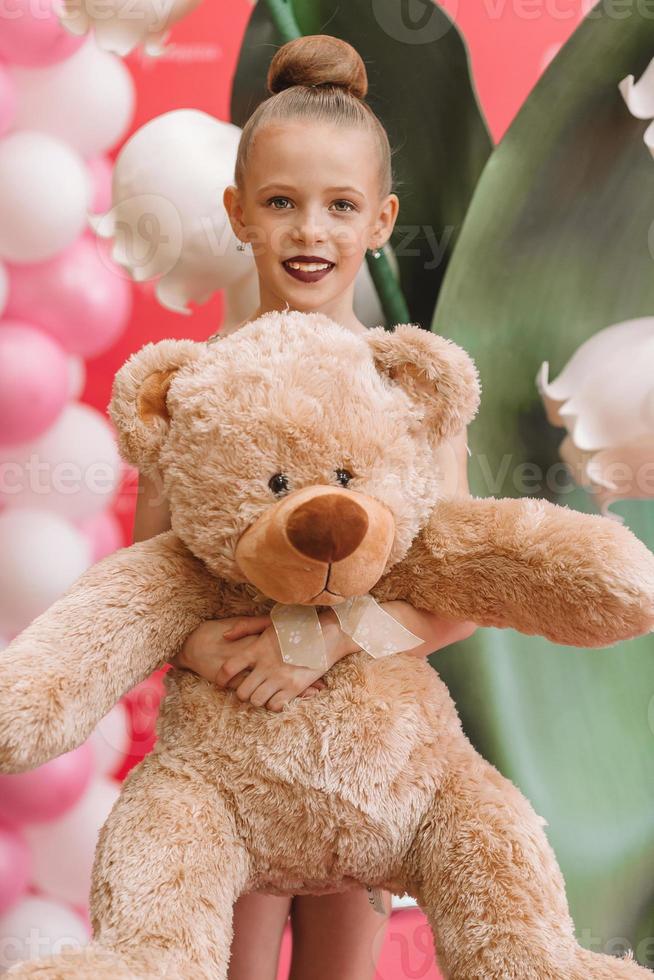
<point>210,651</point>
<point>259,675</point>
<point>242,653</point>
<point>271,682</point>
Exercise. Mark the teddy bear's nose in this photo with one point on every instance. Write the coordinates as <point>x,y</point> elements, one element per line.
<point>328,528</point>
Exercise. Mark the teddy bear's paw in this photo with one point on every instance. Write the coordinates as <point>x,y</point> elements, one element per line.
<point>544,960</point>
<point>599,966</point>
<point>91,962</point>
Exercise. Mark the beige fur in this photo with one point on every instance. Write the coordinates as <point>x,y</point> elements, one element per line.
<point>372,781</point>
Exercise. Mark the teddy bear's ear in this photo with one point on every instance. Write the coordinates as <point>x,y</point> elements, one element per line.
<point>437,374</point>
<point>138,405</point>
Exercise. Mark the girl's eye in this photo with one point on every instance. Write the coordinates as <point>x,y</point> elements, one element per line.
<point>278,483</point>
<point>348,205</point>
<point>344,477</point>
<point>278,199</point>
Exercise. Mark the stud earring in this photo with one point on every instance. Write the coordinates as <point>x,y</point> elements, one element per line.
<point>375,253</point>
<point>241,246</point>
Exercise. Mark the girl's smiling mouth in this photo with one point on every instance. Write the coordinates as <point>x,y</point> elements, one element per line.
<point>308,269</point>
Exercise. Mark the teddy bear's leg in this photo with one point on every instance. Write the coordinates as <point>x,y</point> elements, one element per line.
<point>168,868</point>
<point>484,873</point>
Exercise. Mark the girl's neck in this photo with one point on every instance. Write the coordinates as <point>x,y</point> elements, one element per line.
<point>350,323</point>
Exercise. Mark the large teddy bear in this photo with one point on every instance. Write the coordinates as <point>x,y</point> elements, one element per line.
<point>371,781</point>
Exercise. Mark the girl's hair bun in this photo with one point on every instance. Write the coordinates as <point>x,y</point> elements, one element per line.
<point>318,59</point>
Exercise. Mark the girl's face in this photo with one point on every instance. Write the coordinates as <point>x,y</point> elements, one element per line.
<point>311,192</point>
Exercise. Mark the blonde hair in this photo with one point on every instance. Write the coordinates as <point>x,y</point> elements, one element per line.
<point>324,79</point>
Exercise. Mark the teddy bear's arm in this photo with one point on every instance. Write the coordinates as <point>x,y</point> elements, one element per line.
<point>540,568</point>
<point>124,617</point>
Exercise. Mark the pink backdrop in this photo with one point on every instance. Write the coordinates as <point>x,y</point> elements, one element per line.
<point>510,43</point>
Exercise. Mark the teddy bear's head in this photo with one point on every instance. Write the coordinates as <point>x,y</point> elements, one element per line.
<point>295,454</point>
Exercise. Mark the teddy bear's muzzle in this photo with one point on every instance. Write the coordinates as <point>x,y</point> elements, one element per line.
<point>317,546</point>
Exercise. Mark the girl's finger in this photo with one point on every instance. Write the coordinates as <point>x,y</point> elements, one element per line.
<point>315,688</point>
<point>235,681</point>
<point>278,701</point>
<point>283,697</point>
<point>249,685</point>
<point>230,668</point>
<point>247,626</point>
<point>262,695</point>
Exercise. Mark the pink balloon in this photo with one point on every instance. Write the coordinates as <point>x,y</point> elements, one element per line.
<point>47,792</point>
<point>101,170</point>
<point>34,382</point>
<point>15,867</point>
<point>80,297</point>
<point>7,100</point>
<point>104,533</point>
<point>31,35</point>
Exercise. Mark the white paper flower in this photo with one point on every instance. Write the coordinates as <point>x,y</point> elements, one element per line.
<point>121,27</point>
<point>604,397</point>
<point>168,220</point>
<point>639,97</point>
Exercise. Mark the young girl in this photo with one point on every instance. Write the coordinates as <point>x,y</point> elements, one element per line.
<point>312,192</point>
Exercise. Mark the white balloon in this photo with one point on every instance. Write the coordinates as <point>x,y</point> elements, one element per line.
<point>63,850</point>
<point>146,22</point>
<point>37,927</point>
<point>76,376</point>
<point>41,555</point>
<point>4,287</point>
<point>86,100</point>
<point>45,190</point>
<point>110,741</point>
<point>168,218</point>
<point>73,469</point>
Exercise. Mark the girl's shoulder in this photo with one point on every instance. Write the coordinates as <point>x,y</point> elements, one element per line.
<point>219,334</point>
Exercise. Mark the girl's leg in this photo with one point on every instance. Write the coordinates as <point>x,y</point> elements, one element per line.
<point>338,935</point>
<point>258,924</point>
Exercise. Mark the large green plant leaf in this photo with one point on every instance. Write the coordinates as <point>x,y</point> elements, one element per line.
<point>421,90</point>
<point>553,249</point>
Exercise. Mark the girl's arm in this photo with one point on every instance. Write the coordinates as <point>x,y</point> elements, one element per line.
<point>152,515</point>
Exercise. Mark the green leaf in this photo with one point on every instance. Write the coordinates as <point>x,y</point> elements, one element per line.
<point>420,88</point>
<point>555,247</point>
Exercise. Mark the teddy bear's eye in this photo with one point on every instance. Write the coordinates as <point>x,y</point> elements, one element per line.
<point>344,477</point>
<point>278,483</point>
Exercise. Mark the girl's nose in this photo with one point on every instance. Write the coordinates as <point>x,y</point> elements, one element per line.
<point>310,227</point>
